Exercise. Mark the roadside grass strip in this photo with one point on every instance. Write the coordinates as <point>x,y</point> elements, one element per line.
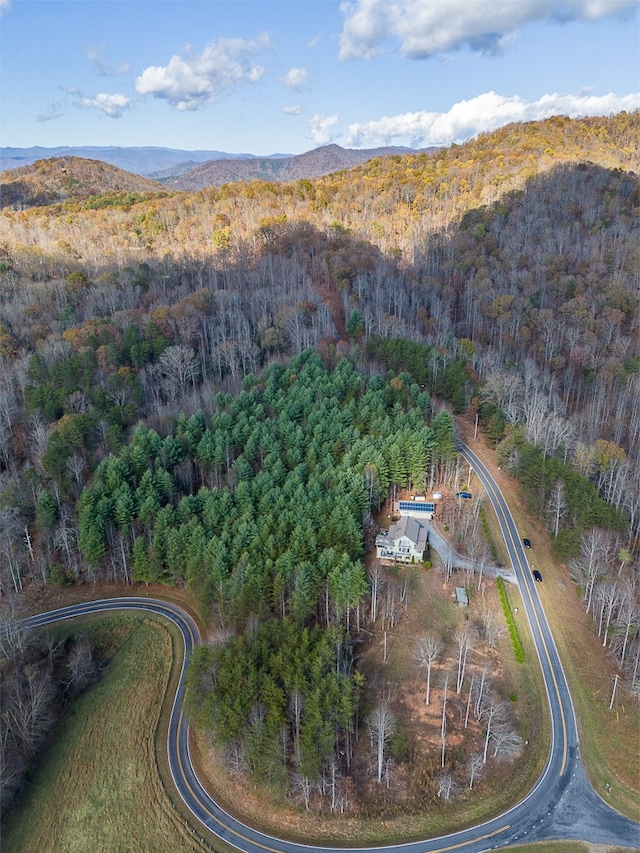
<point>511,625</point>
<point>488,535</point>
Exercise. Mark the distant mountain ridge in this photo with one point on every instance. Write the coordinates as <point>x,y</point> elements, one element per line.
<point>51,180</point>
<point>312,164</point>
<point>194,170</point>
<point>145,161</point>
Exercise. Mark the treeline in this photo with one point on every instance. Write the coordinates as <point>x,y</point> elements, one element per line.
<point>40,676</point>
<point>606,574</point>
<point>566,501</point>
<point>281,699</point>
<point>592,536</point>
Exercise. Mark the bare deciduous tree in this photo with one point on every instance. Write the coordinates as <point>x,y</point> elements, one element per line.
<point>557,506</point>
<point>464,642</point>
<point>443,723</point>
<point>81,666</point>
<point>476,768</point>
<point>492,629</point>
<point>483,558</point>
<point>606,596</point>
<point>506,742</point>
<point>427,651</point>
<point>179,363</point>
<point>382,725</point>
<point>29,708</point>
<point>446,785</point>
<point>376,581</point>
<point>591,564</point>
<point>493,712</point>
<point>296,706</point>
<point>628,616</point>
<point>481,695</point>
<point>301,789</point>
<point>65,538</point>
<point>76,465</point>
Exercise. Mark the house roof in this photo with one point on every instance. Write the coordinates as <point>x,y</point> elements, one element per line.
<point>412,529</point>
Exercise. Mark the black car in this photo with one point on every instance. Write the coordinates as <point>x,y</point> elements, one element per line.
<point>526,543</point>
<point>464,495</point>
<point>537,575</point>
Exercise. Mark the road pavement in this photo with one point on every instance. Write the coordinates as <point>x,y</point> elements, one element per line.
<point>561,805</point>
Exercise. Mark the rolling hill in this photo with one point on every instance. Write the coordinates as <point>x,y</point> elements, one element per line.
<point>63,178</point>
<point>312,164</point>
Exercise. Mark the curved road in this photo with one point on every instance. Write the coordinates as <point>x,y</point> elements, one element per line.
<point>562,804</point>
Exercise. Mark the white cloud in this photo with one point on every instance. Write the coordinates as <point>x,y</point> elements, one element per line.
<point>104,68</point>
<point>294,110</point>
<point>295,78</point>
<point>111,105</point>
<point>51,112</point>
<point>5,6</point>
<point>321,128</point>
<point>427,28</point>
<point>477,115</point>
<point>188,84</point>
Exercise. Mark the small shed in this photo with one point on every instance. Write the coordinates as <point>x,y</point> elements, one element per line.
<point>462,599</point>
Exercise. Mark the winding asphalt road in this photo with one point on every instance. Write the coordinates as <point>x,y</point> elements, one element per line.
<point>561,805</point>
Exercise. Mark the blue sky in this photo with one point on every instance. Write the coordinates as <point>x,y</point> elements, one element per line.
<point>265,77</point>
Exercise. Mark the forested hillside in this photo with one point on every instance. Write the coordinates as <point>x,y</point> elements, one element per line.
<point>513,260</point>
<point>204,168</point>
<point>312,164</point>
<point>53,181</point>
<point>145,407</point>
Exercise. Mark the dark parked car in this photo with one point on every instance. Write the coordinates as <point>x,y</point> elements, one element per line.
<point>464,495</point>
<point>537,575</point>
<point>526,543</point>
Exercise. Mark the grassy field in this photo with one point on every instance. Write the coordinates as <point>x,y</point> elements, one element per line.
<point>98,787</point>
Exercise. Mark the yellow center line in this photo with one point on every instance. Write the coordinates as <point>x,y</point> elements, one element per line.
<point>542,638</point>
<point>205,807</point>
<point>472,840</point>
<point>557,689</point>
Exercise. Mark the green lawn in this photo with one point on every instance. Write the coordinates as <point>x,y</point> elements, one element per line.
<point>98,788</point>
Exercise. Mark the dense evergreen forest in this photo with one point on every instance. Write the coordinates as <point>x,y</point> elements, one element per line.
<point>218,389</point>
<point>262,509</point>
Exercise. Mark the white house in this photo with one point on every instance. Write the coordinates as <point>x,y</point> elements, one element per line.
<point>404,542</point>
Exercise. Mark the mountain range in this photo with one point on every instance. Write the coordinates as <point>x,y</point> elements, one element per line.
<point>147,161</point>
<point>194,170</point>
